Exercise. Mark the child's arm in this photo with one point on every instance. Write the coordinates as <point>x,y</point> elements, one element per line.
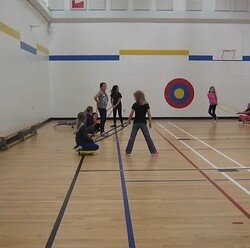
<point>130,115</point>
<point>85,136</point>
<point>94,120</point>
<point>244,112</point>
<point>119,100</point>
<point>215,97</point>
<point>96,97</point>
<point>149,118</point>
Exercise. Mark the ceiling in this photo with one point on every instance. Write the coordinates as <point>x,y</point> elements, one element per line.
<point>144,11</point>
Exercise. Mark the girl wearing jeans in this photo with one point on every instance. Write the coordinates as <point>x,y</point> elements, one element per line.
<point>140,108</point>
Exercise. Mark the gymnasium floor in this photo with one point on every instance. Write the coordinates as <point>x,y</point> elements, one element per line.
<point>196,193</point>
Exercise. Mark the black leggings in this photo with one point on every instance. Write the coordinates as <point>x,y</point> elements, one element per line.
<point>211,111</point>
<point>103,116</point>
<point>119,108</point>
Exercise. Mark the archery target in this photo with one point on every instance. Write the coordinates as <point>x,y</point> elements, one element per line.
<point>179,93</point>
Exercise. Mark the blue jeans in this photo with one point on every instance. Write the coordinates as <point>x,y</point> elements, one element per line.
<point>90,146</point>
<point>144,129</point>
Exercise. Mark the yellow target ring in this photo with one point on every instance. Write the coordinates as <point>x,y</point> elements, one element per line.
<point>179,93</point>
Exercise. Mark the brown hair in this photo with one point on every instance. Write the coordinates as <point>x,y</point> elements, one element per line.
<point>89,109</point>
<point>81,118</point>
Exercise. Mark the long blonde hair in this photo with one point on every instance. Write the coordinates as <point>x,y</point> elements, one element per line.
<point>140,97</point>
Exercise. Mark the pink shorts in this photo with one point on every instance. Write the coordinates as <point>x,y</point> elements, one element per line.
<point>244,117</point>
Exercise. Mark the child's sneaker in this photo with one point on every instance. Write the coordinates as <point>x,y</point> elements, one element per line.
<point>78,148</point>
<point>155,154</point>
<point>105,134</point>
<point>127,154</point>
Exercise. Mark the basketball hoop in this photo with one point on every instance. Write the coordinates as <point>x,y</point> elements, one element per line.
<point>228,54</point>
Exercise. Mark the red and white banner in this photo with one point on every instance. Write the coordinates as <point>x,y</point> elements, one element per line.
<point>78,4</point>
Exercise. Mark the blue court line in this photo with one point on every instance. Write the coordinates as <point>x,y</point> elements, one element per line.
<point>130,232</point>
<point>28,48</point>
<point>84,57</point>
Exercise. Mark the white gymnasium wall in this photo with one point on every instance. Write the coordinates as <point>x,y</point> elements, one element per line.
<point>24,83</point>
<point>74,83</point>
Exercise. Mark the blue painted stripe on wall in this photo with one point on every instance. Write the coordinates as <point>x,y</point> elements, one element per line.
<point>83,57</point>
<point>246,58</point>
<point>201,57</point>
<point>28,48</point>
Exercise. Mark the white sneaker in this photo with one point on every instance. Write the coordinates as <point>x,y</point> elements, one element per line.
<point>105,134</point>
<point>77,149</point>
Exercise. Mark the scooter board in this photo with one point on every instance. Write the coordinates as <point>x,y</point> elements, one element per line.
<point>82,152</point>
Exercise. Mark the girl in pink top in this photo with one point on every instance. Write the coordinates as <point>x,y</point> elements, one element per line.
<point>245,115</point>
<point>212,97</point>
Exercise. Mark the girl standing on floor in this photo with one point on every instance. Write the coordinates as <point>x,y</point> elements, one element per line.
<point>115,98</point>
<point>140,108</point>
<point>212,97</point>
<point>101,99</point>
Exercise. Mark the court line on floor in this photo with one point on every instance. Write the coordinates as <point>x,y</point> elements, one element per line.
<point>236,204</point>
<point>169,169</point>
<point>55,228</point>
<point>130,233</point>
<point>180,180</point>
<point>212,148</point>
<point>209,162</point>
<point>170,180</point>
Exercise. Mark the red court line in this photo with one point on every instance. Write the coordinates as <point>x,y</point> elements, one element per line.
<point>236,204</point>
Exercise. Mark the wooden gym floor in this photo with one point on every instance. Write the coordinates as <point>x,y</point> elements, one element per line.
<point>195,194</point>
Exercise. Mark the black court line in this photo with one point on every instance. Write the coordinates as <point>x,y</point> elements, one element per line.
<point>114,131</point>
<point>63,208</point>
<point>173,169</point>
<point>231,139</point>
<point>171,180</point>
<point>99,170</point>
<point>227,170</point>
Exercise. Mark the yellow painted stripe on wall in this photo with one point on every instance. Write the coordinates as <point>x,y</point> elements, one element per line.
<point>10,31</point>
<point>154,52</point>
<point>42,49</point>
